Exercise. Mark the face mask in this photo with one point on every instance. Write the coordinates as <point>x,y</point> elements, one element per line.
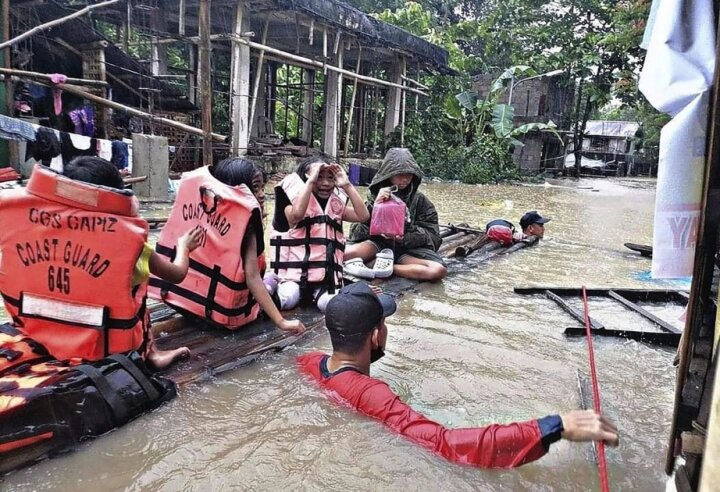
<point>376,354</point>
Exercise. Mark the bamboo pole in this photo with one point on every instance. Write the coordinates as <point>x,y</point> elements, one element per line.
<point>45,76</point>
<point>52,23</point>
<point>205,86</point>
<point>352,103</point>
<point>415,82</point>
<point>135,112</point>
<point>258,76</point>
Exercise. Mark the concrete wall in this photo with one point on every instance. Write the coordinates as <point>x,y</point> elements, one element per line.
<point>150,158</point>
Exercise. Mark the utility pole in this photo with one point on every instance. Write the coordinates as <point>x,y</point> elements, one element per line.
<point>205,80</point>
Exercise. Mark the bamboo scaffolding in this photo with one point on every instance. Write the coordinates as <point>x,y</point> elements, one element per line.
<point>53,23</point>
<point>325,66</point>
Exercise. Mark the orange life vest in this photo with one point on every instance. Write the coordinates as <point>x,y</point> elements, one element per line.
<point>49,406</point>
<point>215,287</point>
<point>67,254</point>
<point>312,251</point>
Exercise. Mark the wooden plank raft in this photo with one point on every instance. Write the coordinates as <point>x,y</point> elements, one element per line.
<point>215,350</point>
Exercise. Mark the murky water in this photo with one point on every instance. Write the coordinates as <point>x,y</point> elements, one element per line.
<point>465,352</point>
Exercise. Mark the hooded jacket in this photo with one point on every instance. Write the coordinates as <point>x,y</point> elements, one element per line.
<point>421,227</point>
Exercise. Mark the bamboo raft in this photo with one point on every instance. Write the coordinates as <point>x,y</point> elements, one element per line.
<point>215,351</point>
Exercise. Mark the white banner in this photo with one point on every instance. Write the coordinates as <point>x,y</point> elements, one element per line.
<point>676,79</point>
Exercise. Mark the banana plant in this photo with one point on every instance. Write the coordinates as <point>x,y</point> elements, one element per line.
<point>475,116</point>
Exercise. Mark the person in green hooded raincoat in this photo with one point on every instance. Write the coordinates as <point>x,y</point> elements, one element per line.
<point>414,255</point>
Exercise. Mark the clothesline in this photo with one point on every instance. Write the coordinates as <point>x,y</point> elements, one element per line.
<point>54,147</point>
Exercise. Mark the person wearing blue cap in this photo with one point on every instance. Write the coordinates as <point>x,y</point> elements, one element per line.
<point>355,319</point>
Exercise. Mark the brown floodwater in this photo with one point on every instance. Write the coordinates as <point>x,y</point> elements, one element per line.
<point>465,352</point>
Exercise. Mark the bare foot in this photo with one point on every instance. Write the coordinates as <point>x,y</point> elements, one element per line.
<point>161,359</point>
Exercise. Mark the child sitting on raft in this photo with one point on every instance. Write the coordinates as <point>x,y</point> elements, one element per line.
<point>98,171</point>
<point>224,286</point>
<point>414,255</point>
<point>307,241</point>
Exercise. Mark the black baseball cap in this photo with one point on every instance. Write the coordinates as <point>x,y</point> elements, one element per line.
<point>531,218</point>
<point>356,310</point>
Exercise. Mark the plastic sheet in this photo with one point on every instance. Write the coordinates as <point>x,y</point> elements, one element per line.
<point>676,79</point>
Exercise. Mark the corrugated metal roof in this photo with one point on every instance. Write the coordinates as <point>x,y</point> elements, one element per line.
<point>619,129</point>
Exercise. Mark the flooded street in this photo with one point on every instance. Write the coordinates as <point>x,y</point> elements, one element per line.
<point>465,352</point>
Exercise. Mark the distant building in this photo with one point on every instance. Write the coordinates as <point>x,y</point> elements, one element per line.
<point>539,100</point>
<point>610,147</point>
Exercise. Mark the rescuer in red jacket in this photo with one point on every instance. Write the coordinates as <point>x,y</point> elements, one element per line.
<point>355,319</point>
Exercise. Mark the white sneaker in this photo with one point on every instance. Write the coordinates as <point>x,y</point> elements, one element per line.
<point>357,268</point>
<point>384,263</point>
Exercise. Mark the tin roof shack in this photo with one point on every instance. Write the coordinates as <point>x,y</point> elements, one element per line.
<point>538,100</point>
<point>614,143</point>
<point>286,75</point>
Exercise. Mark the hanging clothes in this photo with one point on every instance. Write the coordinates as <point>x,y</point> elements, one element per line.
<point>105,149</point>
<point>46,146</point>
<point>83,120</point>
<point>72,146</point>
<point>119,154</point>
<point>14,129</point>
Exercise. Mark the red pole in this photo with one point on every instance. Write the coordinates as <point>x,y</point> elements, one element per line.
<point>602,464</point>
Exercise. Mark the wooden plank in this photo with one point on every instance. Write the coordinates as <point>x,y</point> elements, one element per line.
<point>692,443</point>
<point>654,338</point>
<point>649,295</point>
<point>585,404</point>
<point>664,325</point>
<point>643,249</point>
<point>575,313</point>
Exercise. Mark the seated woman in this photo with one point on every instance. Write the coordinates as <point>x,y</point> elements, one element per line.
<point>307,241</point>
<point>414,255</point>
<point>224,285</point>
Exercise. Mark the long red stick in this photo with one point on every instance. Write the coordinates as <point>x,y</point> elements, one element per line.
<point>602,464</point>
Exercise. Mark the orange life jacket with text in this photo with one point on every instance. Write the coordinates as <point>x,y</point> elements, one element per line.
<point>67,254</point>
<point>312,251</point>
<point>215,287</point>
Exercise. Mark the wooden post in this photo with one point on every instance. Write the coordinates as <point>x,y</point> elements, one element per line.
<point>181,18</point>
<point>192,78</point>
<point>240,85</point>
<point>158,51</point>
<point>205,84</point>
<point>352,104</point>
<point>259,72</point>
<point>7,150</point>
<point>394,99</point>
<point>308,105</point>
<point>272,69</point>
<point>127,22</point>
<point>333,85</point>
